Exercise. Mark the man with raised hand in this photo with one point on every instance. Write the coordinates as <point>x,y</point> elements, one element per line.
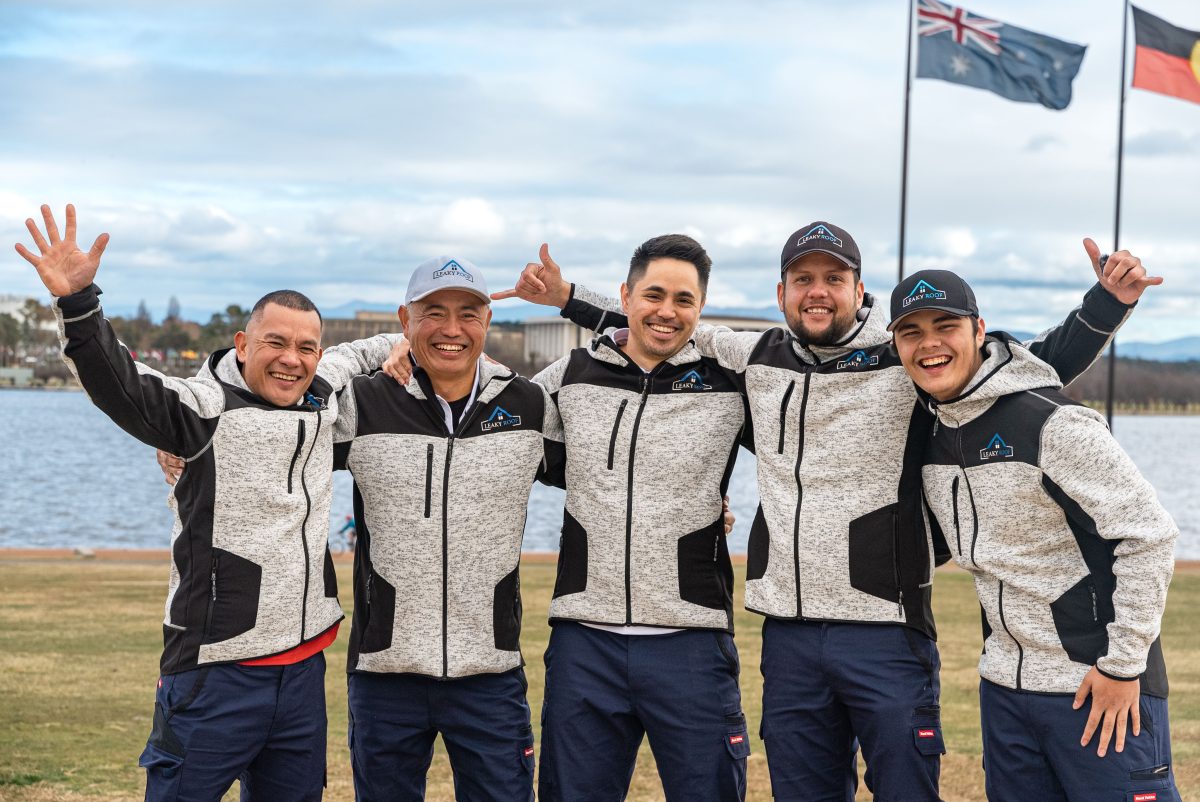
<point>840,561</point>
<point>1070,551</point>
<point>443,464</point>
<point>642,610</point>
<point>252,599</point>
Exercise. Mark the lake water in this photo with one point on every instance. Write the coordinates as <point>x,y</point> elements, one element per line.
<point>71,478</point>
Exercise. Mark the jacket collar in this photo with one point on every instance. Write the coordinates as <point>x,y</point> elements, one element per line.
<point>1008,367</point>
<point>608,347</point>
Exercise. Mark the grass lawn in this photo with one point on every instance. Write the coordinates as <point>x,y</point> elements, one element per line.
<point>79,645</point>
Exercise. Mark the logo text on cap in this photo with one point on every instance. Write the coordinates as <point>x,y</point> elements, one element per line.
<point>453,268</point>
<point>923,291</point>
<point>819,232</point>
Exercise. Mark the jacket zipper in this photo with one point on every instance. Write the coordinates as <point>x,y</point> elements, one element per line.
<point>896,563</point>
<point>428,477</point>
<point>304,524</point>
<point>646,379</point>
<point>462,427</point>
<point>800,495</point>
<point>954,502</point>
<point>367,606</point>
<point>1003,623</point>
<point>212,598</point>
<point>612,440</point>
<point>962,465</point>
<point>296,453</point>
<point>787,395</point>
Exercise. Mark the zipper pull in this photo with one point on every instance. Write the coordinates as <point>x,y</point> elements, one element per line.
<point>900,604</point>
<point>936,419</point>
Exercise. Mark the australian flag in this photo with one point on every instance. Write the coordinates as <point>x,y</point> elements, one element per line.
<point>958,46</point>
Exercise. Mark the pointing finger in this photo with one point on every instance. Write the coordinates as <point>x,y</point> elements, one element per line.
<point>503,294</point>
<point>71,222</point>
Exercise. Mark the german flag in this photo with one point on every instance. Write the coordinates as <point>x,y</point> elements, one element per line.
<point>1167,59</point>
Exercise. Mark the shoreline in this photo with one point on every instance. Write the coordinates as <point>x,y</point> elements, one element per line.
<point>346,557</point>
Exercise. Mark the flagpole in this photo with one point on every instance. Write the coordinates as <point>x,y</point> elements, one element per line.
<point>904,163</point>
<point>1112,349</point>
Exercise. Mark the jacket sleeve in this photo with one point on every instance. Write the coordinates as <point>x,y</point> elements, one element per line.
<point>593,311</point>
<point>1073,345</point>
<point>341,363</point>
<point>176,415</point>
<point>1082,458</point>
<point>554,457</point>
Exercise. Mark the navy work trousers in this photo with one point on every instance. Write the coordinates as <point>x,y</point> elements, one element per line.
<point>829,687</point>
<point>1031,751</point>
<point>484,722</point>
<point>264,725</point>
<point>604,691</point>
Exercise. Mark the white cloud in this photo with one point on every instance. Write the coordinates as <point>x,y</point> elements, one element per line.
<point>471,220</point>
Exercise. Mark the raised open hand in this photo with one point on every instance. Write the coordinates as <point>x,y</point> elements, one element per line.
<point>63,268</point>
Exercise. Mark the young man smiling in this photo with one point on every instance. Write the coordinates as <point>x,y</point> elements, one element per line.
<point>1070,551</point>
<point>839,559</point>
<point>642,610</point>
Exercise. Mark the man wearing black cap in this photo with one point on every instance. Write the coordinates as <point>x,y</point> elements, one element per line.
<point>839,559</point>
<point>1035,498</point>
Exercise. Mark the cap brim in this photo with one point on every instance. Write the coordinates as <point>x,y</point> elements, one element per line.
<point>834,254</point>
<point>487,299</point>
<point>951,309</point>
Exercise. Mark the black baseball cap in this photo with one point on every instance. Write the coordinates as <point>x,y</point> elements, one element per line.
<point>932,289</point>
<point>821,237</point>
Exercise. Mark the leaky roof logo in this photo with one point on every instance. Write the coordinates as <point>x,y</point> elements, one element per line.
<point>923,291</point>
<point>819,232</point>
<point>691,381</point>
<point>454,269</point>
<point>858,359</point>
<point>500,419</point>
<point>996,447</point>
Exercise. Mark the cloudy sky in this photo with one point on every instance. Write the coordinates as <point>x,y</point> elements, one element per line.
<point>233,148</point>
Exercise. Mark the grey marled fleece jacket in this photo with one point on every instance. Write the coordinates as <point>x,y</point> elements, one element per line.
<point>1070,550</point>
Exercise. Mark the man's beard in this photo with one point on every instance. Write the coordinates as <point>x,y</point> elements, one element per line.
<point>832,335</point>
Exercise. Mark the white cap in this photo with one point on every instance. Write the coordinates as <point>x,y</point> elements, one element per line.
<point>446,273</point>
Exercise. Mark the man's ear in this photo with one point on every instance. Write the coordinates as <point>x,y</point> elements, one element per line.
<point>400,312</point>
<point>980,332</point>
<point>404,316</point>
<point>779,296</point>
<point>239,345</point>
<point>625,297</point>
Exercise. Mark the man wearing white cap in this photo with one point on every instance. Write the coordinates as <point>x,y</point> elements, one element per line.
<point>443,465</point>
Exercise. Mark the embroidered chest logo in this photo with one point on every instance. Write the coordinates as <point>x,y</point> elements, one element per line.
<point>996,447</point>
<point>923,291</point>
<point>500,419</point>
<point>691,381</point>
<point>453,268</point>
<point>858,359</point>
